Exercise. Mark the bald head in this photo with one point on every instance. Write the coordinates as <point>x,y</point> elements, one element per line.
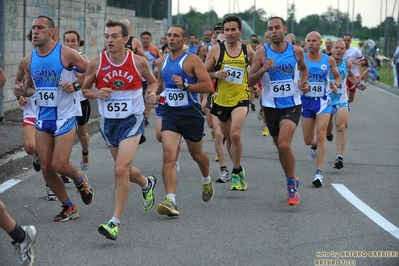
<point>313,35</point>
<point>128,25</point>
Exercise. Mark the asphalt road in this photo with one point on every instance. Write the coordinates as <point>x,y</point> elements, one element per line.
<point>254,227</point>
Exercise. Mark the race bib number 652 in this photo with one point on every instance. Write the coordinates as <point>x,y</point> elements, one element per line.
<point>118,107</point>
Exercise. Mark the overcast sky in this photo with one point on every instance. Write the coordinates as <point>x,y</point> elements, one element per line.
<point>371,10</point>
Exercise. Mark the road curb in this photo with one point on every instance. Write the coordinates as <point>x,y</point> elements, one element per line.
<point>19,161</point>
<point>384,86</point>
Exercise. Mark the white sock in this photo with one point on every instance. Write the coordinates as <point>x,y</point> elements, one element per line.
<point>172,197</point>
<point>115,220</point>
<point>146,187</point>
<point>206,180</point>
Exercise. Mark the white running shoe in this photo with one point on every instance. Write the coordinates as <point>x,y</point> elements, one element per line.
<point>223,177</point>
<point>26,255</point>
<point>313,153</point>
<point>177,167</point>
<point>50,194</point>
<point>317,180</point>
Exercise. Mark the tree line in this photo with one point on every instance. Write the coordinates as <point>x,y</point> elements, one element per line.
<point>333,22</point>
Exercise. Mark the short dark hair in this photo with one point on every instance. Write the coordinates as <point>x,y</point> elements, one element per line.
<point>192,35</point>
<point>184,35</point>
<point>115,23</point>
<point>280,18</point>
<point>29,35</point>
<point>255,41</point>
<point>347,34</point>
<point>145,33</point>
<point>218,26</point>
<point>232,18</point>
<point>164,47</point>
<point>51,23</point>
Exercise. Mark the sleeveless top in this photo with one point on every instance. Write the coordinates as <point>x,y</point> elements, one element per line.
<point>47,72</point>
<point>233,89</point>
<point>124,79</point>
<point>280,83</point>
<point>128,45</point>
<point>174,96</point>
<point>77,70</point>
<point>341,95</point>
<point>318,78</point>
<point>30,108</point>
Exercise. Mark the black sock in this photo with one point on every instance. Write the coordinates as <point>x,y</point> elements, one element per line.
<point>237,170</point>
<point>17,234</point>
<point>85,153</point>
<point>223,168</point>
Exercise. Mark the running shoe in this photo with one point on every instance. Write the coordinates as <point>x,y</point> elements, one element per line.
<point>36,163</point>
<point>109,230</point>
<point>167,207</point>
<point>216,158</point>
<point>177,167</point>
<point>260,117</point>
<point>313,152</point>
<point>84,164</point>
<point>208,190</point>
<point>67,213</point>
<point>26,255</point>
<point>339,162</point>
<point>242,180</point>
<point>50,194</point>
<point>317,180</point>
<point>253,107</point>
<point>235,182</point>
<point>265,132</point>
<point>85,191</point>
<point>213,134</point>
<point>293,194</point>
<point>148,196</point>
<point>66,179</point>
<point>330,137</point>
<point>223,177</point>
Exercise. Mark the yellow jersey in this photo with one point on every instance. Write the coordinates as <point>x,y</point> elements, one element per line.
<point>233,89</point>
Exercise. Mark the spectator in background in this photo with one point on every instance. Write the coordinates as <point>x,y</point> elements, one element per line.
<point>395,62</point>
<point>361,48</point>
<point>371,47</point>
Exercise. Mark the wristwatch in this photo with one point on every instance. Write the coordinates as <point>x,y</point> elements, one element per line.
<point>76,86</point>
<point>186,85</point>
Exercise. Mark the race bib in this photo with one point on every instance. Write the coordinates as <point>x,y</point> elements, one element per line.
<point>47,96</point>
<point>118,107</point>
<point>316,89</point>
<point>234,74</point>
<point>282,88</point>
<point>176,97</point>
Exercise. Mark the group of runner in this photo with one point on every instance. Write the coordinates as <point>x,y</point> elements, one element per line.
<point>130,77</point>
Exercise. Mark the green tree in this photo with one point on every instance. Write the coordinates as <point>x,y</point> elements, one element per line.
<point>157,9</point>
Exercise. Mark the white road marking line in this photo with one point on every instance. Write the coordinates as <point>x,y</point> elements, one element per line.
<point>369,212</point>
<point>8,184</point>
